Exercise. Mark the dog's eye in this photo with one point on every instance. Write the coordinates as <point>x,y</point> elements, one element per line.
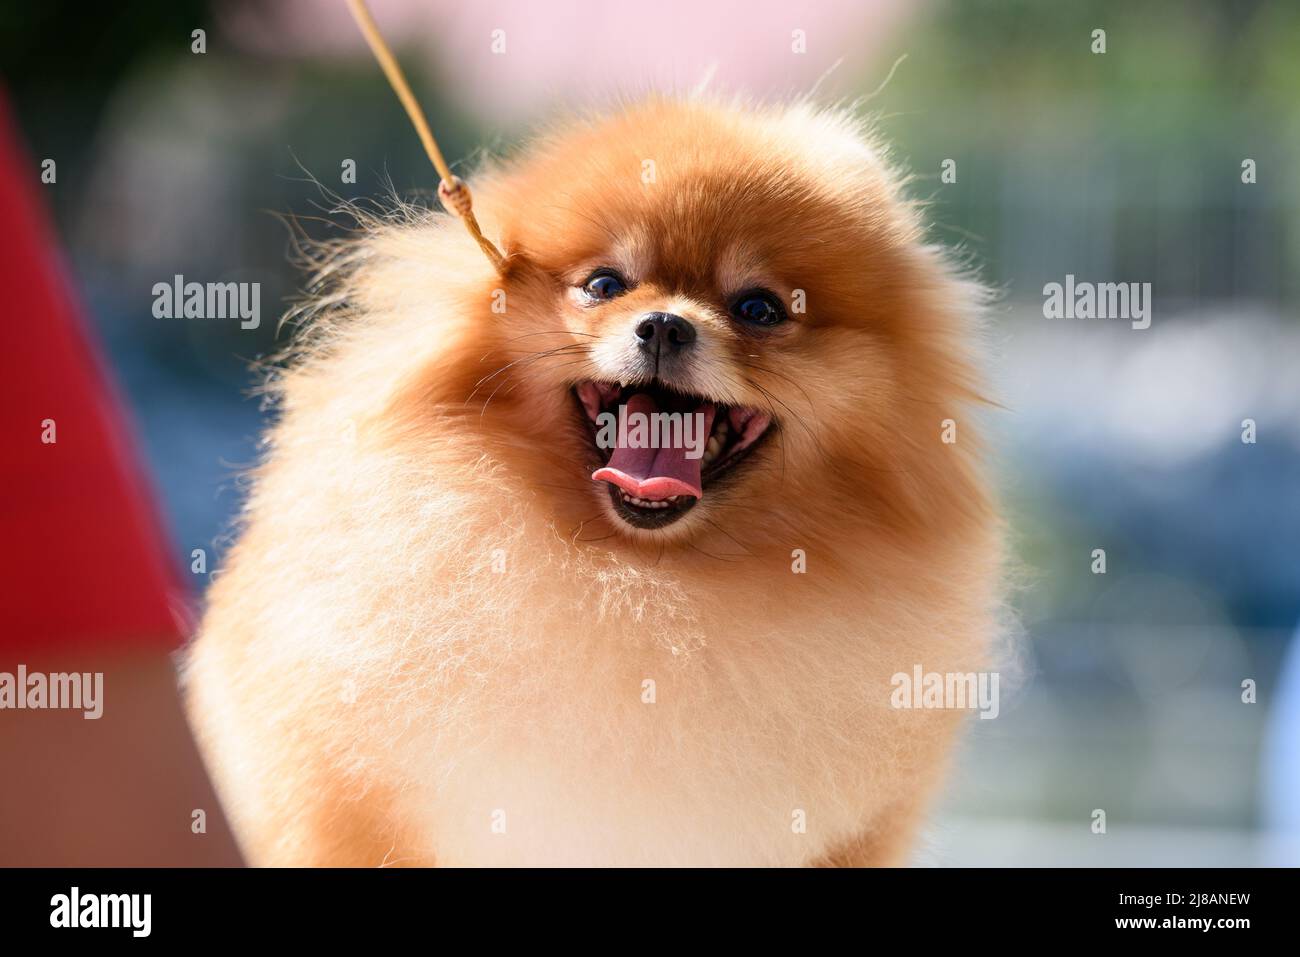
<point>758,308</point>
<point>604,284</point>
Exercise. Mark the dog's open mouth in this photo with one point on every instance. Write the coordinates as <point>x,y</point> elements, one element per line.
<point>662,449</point>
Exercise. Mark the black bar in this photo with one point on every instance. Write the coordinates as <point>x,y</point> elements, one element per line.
<point>436,907</point>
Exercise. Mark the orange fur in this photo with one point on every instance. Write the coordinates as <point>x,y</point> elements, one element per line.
<point>371,687</point>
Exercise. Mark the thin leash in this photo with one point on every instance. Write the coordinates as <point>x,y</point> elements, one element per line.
<point>452,190</point>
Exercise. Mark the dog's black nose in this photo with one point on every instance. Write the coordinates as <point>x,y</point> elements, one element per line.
<point>662,332</point>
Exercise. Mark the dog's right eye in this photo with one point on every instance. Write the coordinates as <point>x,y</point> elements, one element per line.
<point>604,284</point>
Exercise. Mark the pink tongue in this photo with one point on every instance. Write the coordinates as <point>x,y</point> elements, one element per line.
<point>651,473</point>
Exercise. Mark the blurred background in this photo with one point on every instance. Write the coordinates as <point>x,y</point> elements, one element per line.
<point>1122,166</point>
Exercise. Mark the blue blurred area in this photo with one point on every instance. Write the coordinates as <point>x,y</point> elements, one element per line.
<point>1230,523</point>
<point>197,433</point>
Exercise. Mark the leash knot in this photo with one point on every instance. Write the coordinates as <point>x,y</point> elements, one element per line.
<point>455,196</point>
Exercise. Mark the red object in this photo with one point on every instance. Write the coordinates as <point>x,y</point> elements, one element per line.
<point>82,556</point>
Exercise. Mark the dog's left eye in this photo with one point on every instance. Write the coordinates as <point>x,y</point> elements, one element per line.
<point>604,284</point>
<point>758,308</point>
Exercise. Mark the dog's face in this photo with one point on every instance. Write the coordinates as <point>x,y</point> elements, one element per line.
<point>751,286</point>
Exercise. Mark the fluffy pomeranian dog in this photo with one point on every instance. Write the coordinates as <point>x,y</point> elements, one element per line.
<point>457,628</point>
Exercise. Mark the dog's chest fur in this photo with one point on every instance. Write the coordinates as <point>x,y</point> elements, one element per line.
<point>646,759</point>
<point>501,697</point>
<point>622,736</point>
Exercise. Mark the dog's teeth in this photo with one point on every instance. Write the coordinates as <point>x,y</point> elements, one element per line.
<point>647,503</point>
<point>711,451</point>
